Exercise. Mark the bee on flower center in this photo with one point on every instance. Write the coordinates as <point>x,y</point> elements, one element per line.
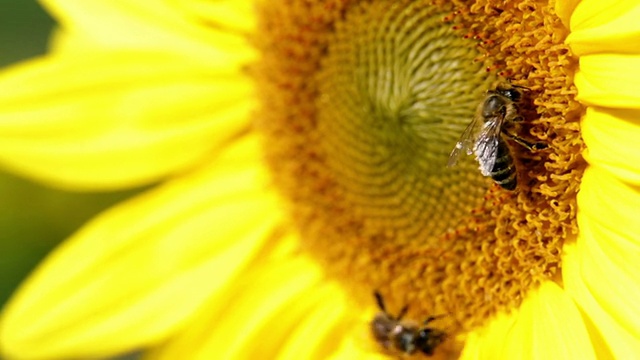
<point>404,337</point>
<point>485,135</point>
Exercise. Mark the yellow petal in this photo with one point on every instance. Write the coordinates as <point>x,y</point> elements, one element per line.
<point>610,339</point>
<point>491,342</point>
<point>472,346</point>
<point>609,80</point>
<point>520,338</point>
<point>497,341</point>
<point>609,245</point>
<point>611,136</point>
<point>548,325</point>
<point>321,329</point>
<point>354,339</point>
<point>232,14</point>
<point>351,348</point>
<point>264,311</point>
<point>564,9</point>
<point>558,329</point>
<point>605,26</point>
<point>601,272</point>
<point>135,274</point>
<point>148,25</point>
<point>117,119</point>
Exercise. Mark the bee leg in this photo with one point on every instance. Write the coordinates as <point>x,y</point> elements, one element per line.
<point>524,143</point>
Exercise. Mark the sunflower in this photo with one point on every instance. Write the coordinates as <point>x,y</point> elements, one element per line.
<point>297,152</point>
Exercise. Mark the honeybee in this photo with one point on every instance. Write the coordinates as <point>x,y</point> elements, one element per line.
<point>404,337</point>
<point>484,135</point>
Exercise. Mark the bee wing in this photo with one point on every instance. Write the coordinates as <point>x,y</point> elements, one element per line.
<point>486,146</point>
<point>467,139</point>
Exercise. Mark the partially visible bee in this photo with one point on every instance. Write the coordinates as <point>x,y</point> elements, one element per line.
<point>483,137</point>
<point>404,337</point>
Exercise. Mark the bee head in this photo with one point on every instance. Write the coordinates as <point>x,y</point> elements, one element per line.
<point>428,339</point>
<point>405,339</point>
<point>512,93</point>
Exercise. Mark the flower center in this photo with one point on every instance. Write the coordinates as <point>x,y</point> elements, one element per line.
<point>396,89</point>
<point>362,103</point>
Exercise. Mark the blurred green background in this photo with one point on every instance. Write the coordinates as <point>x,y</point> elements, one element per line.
<point>33,218</point>
<point>24,29</point>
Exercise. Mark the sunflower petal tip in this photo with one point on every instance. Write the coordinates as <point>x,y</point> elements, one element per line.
<point>564,10</point>
<point>13,340</point>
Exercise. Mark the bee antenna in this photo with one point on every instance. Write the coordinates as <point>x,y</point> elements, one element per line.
<point>379,301</point>
<point>432,318</point>
<point>521,87</point>
<point>517,86</point>
<point>402,312</point>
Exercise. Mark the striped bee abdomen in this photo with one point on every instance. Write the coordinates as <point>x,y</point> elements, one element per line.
<point>504,170</point>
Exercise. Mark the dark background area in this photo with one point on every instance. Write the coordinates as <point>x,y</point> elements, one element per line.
<point>24,29</point>
<point>34,218</point>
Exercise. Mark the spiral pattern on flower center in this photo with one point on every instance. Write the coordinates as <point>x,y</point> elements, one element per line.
<point>398,87</point>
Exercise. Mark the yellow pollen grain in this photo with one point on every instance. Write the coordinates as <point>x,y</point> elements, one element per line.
<point>362,101</point>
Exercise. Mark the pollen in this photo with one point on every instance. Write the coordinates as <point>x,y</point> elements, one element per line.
<point>362,103</point>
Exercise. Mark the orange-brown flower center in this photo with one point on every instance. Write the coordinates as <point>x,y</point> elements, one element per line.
<point>363,102</point>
